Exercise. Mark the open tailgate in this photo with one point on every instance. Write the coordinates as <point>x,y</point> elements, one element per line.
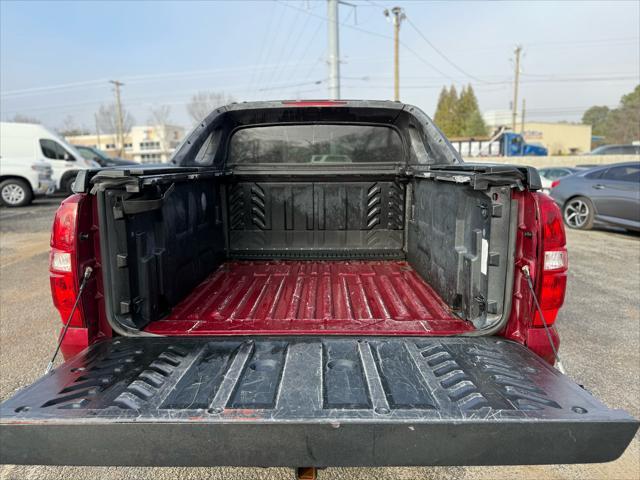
<point>292,401</point>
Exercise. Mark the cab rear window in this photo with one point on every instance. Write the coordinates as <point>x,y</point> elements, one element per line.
<point>316,144</point>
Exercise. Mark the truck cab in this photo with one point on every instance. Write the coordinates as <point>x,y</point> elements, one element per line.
<point>503,143</point>
<point>514,145</point>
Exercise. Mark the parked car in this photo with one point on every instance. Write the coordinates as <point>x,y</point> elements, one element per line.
<point>21,181</point>
<point>29,143</point>
<point>548,175</point>
<point>101,158</point>
<point>248,306</point>
<point>608,194</point>
<point>630,149</point>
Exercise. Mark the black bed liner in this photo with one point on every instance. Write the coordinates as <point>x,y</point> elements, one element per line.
<point>291,401</point>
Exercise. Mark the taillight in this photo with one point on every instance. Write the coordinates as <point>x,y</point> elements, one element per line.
<point>555,183</point>
<point>551,283</point>
<point>63,261</point>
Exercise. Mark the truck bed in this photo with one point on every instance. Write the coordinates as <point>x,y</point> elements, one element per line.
<point>297,297</point>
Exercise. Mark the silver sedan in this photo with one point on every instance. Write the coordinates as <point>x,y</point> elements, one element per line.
<point>609,194</point>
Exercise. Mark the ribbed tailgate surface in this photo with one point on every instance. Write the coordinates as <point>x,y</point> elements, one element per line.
<point>308,401</point>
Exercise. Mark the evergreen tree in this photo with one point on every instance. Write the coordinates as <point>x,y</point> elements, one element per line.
<point>468,115</point>
<point>440,117</point>
<point>453,107</point>
<point>459,116</point>
<point>445,116</point>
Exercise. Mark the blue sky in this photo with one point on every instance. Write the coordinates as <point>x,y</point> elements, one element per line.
<point>56,57</point>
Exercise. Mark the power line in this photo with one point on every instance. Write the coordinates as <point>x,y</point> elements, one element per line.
<point>315,33</point>
<point>262,45</point>
<point>374,34</point>
<point>272,41</point>
<point>292,85</point>
<point>601,41</point>
<point>294,45</point>
<point>439,52</point>
<point>509,82</point>
<point>137,100</point>
<point>53,87</point>
<point>142,79</point>
<point>284,44</point>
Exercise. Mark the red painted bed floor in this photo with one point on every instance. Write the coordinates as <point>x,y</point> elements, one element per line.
<point>303,297</point>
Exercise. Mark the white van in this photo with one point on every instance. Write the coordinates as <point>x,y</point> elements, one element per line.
<point>27,143</point>
<point>21,181</point>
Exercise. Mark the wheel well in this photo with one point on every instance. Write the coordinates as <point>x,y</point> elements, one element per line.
<point>17,177</point>
<point>68,174</point>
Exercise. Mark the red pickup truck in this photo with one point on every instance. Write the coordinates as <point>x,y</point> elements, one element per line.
<point>310,283</point>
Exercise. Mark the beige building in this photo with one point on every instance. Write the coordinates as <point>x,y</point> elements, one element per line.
<point>559,138</point>
<point>144,143</point>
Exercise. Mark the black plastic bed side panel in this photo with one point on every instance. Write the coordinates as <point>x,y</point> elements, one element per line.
<point>162,254</point>
<point>419,129</point>
<point>328,218</point>
<point>458,240</point>
<point>114,254</point>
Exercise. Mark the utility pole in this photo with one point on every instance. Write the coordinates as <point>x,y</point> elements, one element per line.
<point>514,113</point>
<point>120,122</point>
<point>95,117</point>
<point>522,122</point>
<point>334,49</point>
<point>397,16</point>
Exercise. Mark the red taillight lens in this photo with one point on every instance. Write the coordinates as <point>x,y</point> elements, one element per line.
<point>63,291</point>
<point>63,233</point>
<point>552,280</point>
<point>63,268</point>
<point>555,183</point>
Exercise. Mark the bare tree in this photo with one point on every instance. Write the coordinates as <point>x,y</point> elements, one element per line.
<point>69,127</point>
<point>203,103</point>
<point>107,118</point>
<point>159,117</point>
<point>20,118</point>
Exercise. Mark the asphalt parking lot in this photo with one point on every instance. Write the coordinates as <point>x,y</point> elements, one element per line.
<point>599,328</point>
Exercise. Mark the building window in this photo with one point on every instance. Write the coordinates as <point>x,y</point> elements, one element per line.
<point>110,146</point>
<point>150,157</point>
<point>128,146</point>
<point>149,145</point>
